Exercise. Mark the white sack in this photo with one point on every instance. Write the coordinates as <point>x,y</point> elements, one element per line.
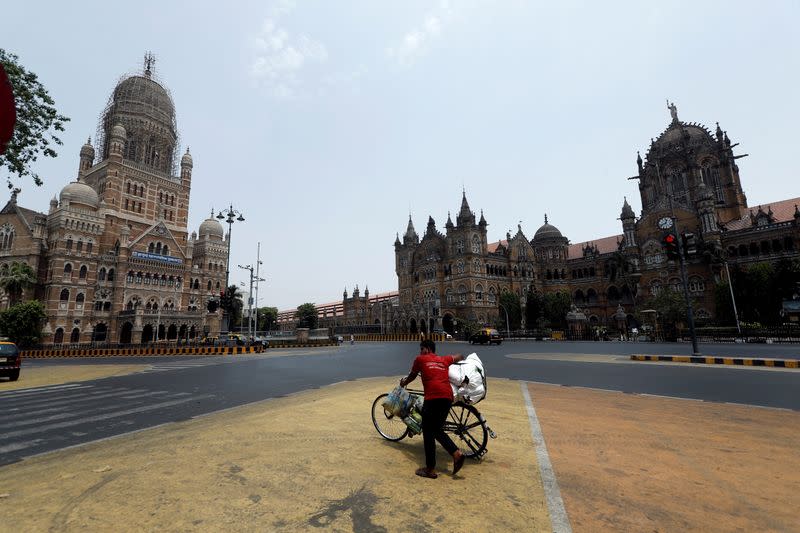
<point>468,380</point>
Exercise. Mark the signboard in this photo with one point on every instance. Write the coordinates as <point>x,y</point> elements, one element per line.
<point>155,257</point>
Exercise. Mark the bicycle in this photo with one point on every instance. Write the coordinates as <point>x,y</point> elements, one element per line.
<point>464,421</point>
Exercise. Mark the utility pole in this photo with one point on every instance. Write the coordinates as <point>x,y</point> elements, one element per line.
<point>258,278</point>
<point>249,301</point>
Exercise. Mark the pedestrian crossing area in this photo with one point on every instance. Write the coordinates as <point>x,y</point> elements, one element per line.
<point>200,362</point>
<point>44,418</point>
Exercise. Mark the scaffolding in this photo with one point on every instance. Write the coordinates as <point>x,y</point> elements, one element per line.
<point>144,107</point>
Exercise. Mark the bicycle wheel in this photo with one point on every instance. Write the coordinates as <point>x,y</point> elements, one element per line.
<point>390,427</point>
<point>469,428</point>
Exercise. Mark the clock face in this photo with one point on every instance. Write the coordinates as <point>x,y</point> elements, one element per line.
<point>665,223</point>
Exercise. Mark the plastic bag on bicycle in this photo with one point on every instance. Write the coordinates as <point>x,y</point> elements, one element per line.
<point>399,402</point>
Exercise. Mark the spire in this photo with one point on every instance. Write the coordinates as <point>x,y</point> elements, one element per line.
<point>627,211</point>
<point>719,132</point>
<point>465,215</point>
<point>545,218</point>
<point>431,226</point>
<point>397,239</point>
<point>410,235</point>
<point>639,161</point>
<point>149,61</point>
<point>449,223</point>
<point>482,221</point>
<point>344,294</point>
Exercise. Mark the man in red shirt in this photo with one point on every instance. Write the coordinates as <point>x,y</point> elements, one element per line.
<point>438,399</point>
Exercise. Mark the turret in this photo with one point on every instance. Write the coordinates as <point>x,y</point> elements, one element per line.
<point>482,222</point>
<point>410,236</point>
<point>87,156</point>
<point>465,216</point>
<point>431,229</point>
<point>628,219</point>
<point>449,224</point>
<point>116,146</point>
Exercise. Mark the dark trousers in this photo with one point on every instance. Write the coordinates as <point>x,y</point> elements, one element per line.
<point>434,413</point>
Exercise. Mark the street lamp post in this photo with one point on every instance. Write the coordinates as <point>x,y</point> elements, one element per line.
<point>508,327</point>
<point>229,215</point>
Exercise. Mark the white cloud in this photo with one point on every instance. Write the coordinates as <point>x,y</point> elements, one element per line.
<point>278,57</point>
<point>416,42</point>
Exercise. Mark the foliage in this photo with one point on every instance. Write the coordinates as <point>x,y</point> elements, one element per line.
<point>510,301</point>
<point>16,279</point>
<point>760,290</point>
<point>212,305</point>
<point>22,323</point>
<point>306,316</point>
<point>723,304</point>
<point>671,307</point>
<point>267,318</point>
<point>556,307</point>
<point>534,309</point>
<point>231,303</point>
<point>37,120</point>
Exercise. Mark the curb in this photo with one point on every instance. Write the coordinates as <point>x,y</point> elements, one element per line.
<point>739,361</point>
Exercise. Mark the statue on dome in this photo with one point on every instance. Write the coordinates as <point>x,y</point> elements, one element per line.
<point>673,110</point>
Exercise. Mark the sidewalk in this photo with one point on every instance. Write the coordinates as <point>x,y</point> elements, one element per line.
<point>303,462</point>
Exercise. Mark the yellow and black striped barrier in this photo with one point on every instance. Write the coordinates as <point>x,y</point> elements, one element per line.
<point>739,361</point>
<point>396,337</point>
<point>140,351</point>
<point>274,345</point>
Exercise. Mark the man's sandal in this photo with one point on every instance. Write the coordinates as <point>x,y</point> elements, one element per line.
<point>423,472</point>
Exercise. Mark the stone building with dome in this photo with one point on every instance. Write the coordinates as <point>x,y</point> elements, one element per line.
<point>689,174</point>
<point>113,255</point>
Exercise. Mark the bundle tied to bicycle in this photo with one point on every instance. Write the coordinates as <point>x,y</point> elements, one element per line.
<point>467,379</point>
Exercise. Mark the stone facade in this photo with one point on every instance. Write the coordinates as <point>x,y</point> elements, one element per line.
<point>113,255</point>
<point>688,172</point>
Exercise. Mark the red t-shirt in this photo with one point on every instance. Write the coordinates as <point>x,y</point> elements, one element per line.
<point>435,380</point>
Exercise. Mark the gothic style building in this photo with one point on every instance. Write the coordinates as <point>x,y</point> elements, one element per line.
<point>113,256</point>
<point>689,174</point>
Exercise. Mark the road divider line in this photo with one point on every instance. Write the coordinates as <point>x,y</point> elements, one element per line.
<point>555,505</point>
<point>40,390</point>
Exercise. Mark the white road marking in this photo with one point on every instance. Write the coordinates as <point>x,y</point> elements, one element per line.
<point>555,505</point>
<point>98,418</point>
<point>40,390</point>
<point>19,446</point>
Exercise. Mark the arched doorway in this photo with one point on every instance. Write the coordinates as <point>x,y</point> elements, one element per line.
<point>58,338</point>
<point>423,327</point>
<point>126,333</point>
<point>147,334</point>
<point>75,337</point>
<point>192,332</point>
<point>172,332</point>
<point>447,323</point>
<point>161,332</point>
<point>100,333</point>
<point>182,332</point>
<point>432,326</point>
<point>412,326</point>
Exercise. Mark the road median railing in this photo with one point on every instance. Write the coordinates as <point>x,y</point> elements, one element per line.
<point>396,337</point>
<point>738,361</point>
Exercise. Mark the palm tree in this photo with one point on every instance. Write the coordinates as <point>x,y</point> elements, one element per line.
<point>16,279</point>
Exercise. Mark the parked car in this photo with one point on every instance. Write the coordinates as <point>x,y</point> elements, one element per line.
<point>492,336</point>
<point>10,360</point>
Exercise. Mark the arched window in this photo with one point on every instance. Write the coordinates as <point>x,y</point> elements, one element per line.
<point>158,248</point>
<point>67,270</point>
<point>110,274</point>
<point>197,284</point>
<point>82,272</point>
<point>151,248</point>
<point>655,287</point>
<point>209,284</point>
<point>76,336</point>
<point>165,250</point>
<point>101,274</point>
<point>64,295</point>
<point>462,294</point>
<point>696,285</point>
<point>79,299</point>
<point>476,245</point>
<point>79,246</point>
<point>479,293</point>
<point>89,247</point>
<point>69,244</point>
<point>492,295</point>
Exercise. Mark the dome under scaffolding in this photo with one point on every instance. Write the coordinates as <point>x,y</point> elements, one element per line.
<point>144,106</point>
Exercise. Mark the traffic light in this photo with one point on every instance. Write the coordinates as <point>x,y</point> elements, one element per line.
<point>689,244</point>
<point>670,242</point>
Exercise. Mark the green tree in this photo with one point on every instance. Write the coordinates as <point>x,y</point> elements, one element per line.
<point>37,121</point>
<point>22,323</point>
<point>671,307</point>
<point>723,305</point>
<point>231,303</point>
<point>534,310</point>
<point>267,318</point>
<point>306,316</point>
<point>556,307</point>
<point>16,279</point>
<point>510,301</point>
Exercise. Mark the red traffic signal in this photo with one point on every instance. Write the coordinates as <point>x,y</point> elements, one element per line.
<point>670,242</point>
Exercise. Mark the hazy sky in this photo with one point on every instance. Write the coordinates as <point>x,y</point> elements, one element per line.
<point>327,122</point>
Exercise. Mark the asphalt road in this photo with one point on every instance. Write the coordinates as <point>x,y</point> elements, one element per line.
<point>34,421</point>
